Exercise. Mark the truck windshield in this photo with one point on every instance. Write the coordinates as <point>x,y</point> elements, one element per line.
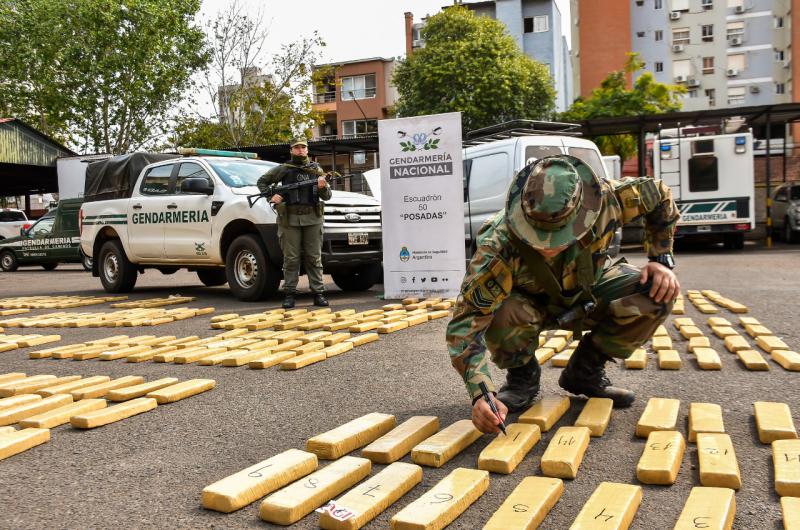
<point>240,173</point>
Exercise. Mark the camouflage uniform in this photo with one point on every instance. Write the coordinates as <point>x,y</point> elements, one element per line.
<point>503,304</point>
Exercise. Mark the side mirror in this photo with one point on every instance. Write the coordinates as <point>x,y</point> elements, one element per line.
<point>197,185</point>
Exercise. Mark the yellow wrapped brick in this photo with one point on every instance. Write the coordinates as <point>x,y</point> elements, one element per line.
<point>337,349</point>
<point>756,330</point>
<point>707,309</point>
<point>15,401</point>
<point>546,412</point>
<point>33,387</point>
<point>724,331</point>
<point>240,489</point>
<point>528,504</point>
<point>444,445</point>
<point>12,415</point>
<point>10,388</point>
<point>565,452</point>
<point>753,360</point>
<point>135,391</point>
<point>684,321</point>
<point>442,504</point>
<point>544,354</point>
<point>288,336</point>
<point>744,321</point>
<point>7,430</point>
<point>707,359</point>
<point>660,331</point>
<point>271,360</point>
<point>698,342</point>
<point>768,343</point>
<point>342,324</point>
<point>715,507</point>
<point>22,440</point>
<point>687,332</point>
<point>398,442</point>
<point>706,418</point>
<point>297,361</point>
<point>774,421</point>
<point>669,360</point>
<point>292,503</point>
<point>335,338</point>
<point>595,415</point>
<point>660,414</point>
<point>308,347</point>
<point>637,360</point>
<point>718,465</point>
<point>370,498</point>
<point>561,360</point>
<point>61,415</point>
<point>12,376</point>
<point>314,337</point>
<point>120,411</point>
<point>392,327</point>
<point>790,506</point>
<point>789,360</point>
<point>611,505</point>
<point>505,453</point>
<point>662,343</point>
<point>718,322</point>
<point>240,358</point>
<point>350,436</point>
<point>392,307</point>
<point>183,390</point>
<point>101,389</point>
<point>661,458</point>
<point>556,343</point>
<point>786,462</point>
<point>735,343</point>
<point>416,319</point>
<point>366,326</point>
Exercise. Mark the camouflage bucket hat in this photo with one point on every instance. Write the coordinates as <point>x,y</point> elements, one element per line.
<point>299,140</point>
<point>553,202</point>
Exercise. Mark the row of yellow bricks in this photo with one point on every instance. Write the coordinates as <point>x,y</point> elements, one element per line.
<point>290,348</point>
<point>659,464</point>
<point>56,302</point>
<point>122,318</point>
<point>42,402</point>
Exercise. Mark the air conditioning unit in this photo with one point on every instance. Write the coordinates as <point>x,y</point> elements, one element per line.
<point>677,48</point>
<point>754,89</point>
<point>417,43</point>
<point>735,41</point>
<point>680,78</point>
<point>739,10</point>
<point>732,72</point>
<point>674,15</point>
<point>787,63</point>
<point>692,82</point>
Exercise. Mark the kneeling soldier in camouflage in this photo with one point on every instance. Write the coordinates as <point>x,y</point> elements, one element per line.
<point>542,264</point>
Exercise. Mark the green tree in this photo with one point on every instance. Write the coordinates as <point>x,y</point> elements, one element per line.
<point>252,100</point>
<point>472,65</point>
<point>614,99</point>
<point>102,75</point>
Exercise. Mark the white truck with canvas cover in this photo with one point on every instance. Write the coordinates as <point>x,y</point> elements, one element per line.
<point>167,212</point>
<point>712,181</point>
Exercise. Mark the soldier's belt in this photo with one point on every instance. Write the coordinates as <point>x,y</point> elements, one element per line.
<point>299,209</point>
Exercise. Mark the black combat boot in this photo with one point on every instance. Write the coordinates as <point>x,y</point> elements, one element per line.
<point>522,386</point>
<point>320,300</point>
<point>585,374</point>
<point>288,301</point>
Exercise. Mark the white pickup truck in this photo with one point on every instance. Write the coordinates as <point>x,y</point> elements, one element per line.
<point>11,221</point>
<point>192,212</point>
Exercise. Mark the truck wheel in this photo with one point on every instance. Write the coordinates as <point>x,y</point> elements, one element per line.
<point>250,274</point>
<point>358,279</point>
<point>86,262</point>
<point>788,233</point>
<point>8,261</point>
<point>49,266</point>
<point>117,273</point>
<point>212,277</point>
<point>733,241</point>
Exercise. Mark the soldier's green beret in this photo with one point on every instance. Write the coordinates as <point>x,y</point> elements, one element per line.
<point>553,201</point>
<point>299,140</point>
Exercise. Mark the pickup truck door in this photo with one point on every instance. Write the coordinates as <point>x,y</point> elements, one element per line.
<point>147,209</point>
<point>188,231</point>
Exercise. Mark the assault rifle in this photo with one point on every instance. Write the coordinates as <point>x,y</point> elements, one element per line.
<point>285,188</point>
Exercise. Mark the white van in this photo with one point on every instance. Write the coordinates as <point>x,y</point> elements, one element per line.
<point>491,163</point>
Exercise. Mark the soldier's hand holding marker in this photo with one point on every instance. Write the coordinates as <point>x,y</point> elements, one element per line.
<point>484,419</point>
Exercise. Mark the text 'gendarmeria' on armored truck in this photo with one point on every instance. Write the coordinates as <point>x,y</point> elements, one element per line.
<point>168,212</point>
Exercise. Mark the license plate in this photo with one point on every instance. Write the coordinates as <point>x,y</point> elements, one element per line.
<point>704,228</point>
<point>357,238</point>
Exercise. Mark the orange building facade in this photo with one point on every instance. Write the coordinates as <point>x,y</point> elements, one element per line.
<point>603,40</point>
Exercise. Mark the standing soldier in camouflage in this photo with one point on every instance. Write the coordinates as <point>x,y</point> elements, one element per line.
<point>542,264</point>
<point>300,217</point>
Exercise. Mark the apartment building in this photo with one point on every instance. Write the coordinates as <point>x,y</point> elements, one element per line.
<point>353,96</point>
<point>535,25</point>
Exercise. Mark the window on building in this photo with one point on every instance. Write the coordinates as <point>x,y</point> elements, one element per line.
<point>736,62</point>
<point>659,34</point>
<point>707,4</point>
<point>780,88</point>
<point>708,65</point>
<point>640,3</point>
<point>353,128</point>
<point>527,24</point>
<point>735,30</point>
<point>682,69</point>
<point>680,36</point>
<point>707,32</point>
<point>358,87</point>
<point>692,93</point>
<point>711,94</point>
<point>736,95</point>
<point>541,24</point>
<point>778,22</point>
<point>658,4</point>
<point>659,66</point>
<point>640,34</point>
<point>679,5</point>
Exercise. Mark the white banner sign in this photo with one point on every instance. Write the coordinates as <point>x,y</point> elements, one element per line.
<point>422,201</point>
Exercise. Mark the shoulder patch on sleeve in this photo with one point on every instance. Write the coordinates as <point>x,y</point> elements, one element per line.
<point>490,286</point>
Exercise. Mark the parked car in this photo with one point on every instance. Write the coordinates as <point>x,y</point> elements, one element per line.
<point>53,239</point>
<point>786,211</point>
<point>11,222</point>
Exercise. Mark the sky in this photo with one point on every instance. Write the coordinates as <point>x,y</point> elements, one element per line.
<point>352,29</point>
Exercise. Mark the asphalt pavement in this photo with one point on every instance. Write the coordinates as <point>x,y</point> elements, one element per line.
<point>148,471</point>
